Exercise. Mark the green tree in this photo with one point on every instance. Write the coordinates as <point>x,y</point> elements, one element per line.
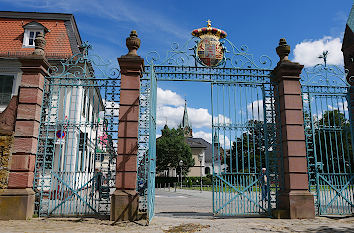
<point>333,142</point>
<point>248,149</point>
<point>171,148</point>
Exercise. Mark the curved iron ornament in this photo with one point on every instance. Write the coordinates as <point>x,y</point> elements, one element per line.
<point>324,75</point>
<point>85,65</point>
<point>186,55</point>
<point>176,56</point>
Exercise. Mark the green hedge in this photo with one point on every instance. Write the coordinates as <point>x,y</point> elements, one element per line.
<point>164,181</point>
<point>187,181</point>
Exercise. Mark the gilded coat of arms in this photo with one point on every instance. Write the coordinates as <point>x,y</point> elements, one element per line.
<point>209,51</point>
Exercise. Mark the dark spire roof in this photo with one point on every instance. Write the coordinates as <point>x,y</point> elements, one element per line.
<point>185,121</point>
<point>185,124</point>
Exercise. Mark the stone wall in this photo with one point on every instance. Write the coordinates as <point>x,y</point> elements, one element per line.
<point>5,158</point>
<point>8,117</point>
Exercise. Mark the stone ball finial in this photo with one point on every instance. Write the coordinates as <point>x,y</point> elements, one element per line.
<point>39,44</point>
<point>283,50</point>
<point>133,43</point>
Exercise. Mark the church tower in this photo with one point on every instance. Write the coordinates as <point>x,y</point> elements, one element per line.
<point>185,125</point>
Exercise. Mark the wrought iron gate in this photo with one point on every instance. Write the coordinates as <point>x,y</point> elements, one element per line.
<point>244,112</point>
<point>329,139</point>
<point>246,180</point>
<point>75,162</point>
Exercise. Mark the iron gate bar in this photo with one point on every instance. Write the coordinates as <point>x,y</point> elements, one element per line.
<point>152,145</point>
<point>338,192</point>
<point>269,110</point>
<point>240,192</point>
<point>75,192</point>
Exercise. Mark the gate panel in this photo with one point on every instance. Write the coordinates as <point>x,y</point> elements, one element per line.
<point>75,162</point>
<point>245,153</point>
<point>329,140</point>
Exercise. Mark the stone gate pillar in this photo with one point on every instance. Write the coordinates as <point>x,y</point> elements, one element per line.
<point>295,200</point>
<point>17,201</point>
<point>125,201</point>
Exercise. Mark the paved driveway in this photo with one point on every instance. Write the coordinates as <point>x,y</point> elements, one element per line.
<point>183,203</point>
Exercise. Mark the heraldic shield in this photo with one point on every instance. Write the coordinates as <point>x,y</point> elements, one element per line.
<point>210,51</point>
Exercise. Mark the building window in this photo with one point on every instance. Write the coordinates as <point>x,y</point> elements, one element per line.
<point>31,31</point>
<point>83,151</point>
<point>6,82</point>
<point>29,37</point>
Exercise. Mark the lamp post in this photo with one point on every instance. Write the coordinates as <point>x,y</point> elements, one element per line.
<point>200,164</point>
<point>180,165</point>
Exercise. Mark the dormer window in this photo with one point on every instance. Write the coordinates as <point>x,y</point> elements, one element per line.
<point>31,31</point>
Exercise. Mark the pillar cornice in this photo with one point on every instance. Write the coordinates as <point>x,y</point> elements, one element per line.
<point>35,64</point>
<point>133,65</point>
<point>287,70</point>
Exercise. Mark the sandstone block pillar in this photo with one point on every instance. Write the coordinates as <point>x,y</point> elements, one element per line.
<point>17,201</point>
<point>125,200</point>
<point>295,200</point>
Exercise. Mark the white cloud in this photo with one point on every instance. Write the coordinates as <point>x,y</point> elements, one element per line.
<point>173,116</point>
<point>222,119</point>
<point>225,142</point>
<point>307,52</point>
<point>199,117</point>
<point>201,134</point>
<point>168,97</point>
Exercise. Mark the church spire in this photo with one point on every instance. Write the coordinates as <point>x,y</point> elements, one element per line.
<point>185,125</point>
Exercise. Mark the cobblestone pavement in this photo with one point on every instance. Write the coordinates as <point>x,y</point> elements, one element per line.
<point>179,212</point>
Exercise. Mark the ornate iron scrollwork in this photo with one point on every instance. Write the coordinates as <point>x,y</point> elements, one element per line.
<point>85,65</point>
<point>186,55</point>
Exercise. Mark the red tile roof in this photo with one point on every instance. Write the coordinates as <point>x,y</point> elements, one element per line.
<point>11,37</point>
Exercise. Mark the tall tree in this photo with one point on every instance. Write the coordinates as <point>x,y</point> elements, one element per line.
<point>248,149</point>
<point>171,148</point>
<point>333,142</point>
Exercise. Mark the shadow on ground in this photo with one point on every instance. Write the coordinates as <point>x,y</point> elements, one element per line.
<point>326,229</point>
<point>184,214</point>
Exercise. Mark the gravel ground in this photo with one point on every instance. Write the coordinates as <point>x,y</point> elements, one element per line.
<point>182,211</point>
<point>170,224</point>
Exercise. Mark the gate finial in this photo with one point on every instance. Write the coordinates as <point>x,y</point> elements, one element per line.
<point>283,50</point>
<point>133,43</point>
<point>39,44</point>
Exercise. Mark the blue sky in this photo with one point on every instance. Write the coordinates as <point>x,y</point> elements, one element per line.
<point>309,27</point>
